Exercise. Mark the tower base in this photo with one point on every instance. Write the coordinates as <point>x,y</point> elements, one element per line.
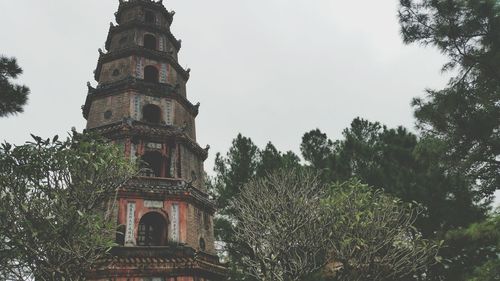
<point>170,263</point>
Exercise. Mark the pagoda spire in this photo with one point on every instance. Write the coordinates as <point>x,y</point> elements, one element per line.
<point>165,216</point>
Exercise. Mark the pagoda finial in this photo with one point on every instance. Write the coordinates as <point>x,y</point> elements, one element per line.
<point>89,86</point>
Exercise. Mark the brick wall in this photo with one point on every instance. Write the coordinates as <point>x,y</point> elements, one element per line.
<point>118,105</point>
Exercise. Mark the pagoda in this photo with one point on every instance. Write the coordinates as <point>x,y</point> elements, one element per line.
<point>164,216</point>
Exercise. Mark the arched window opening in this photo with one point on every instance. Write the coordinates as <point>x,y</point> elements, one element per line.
<point>149,17</point>
<point>206,221</point>
<point>151,74</point>
<point>203,246</point>
<point>149,42</point>
<point>151,114</point>
<point>152,230</point>
<point>152,164</point>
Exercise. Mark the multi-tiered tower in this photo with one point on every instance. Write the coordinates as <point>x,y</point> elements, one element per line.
<point>165,215</point>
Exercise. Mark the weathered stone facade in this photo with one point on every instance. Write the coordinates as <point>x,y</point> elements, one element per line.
<point>164,216</point>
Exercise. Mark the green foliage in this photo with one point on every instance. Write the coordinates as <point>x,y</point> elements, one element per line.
<point>466,114</point>
<point>490,271</point>
<point>374,237</point>
<point>243,162</point>
<point>56,198</point>
<point>283,229</point>
<point>12,97</point>
<point>288,225</point>
<point>405,166</point>
<point>317,149</point>
<point>479,255</point>
<point>413,170</point>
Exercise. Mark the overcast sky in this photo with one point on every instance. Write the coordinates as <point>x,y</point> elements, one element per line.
<point>270,69</point>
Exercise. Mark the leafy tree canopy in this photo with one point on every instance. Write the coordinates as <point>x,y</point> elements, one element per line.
<point>405,166</point>
<point>289,224</point>
<point>281,230</point>
<point>374,237</point>
<point>409,168</point>
<point>56,201</point>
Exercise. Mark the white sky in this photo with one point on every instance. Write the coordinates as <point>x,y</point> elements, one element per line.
<point>270,69</point>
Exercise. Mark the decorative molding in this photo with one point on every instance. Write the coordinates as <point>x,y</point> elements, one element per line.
<point>168,189</point>
<point>157,6</point>
<point>151,27</point>
<point>174,223</point>
<point>130,228</point>
<point>139,85</point>
<point>141,52</point>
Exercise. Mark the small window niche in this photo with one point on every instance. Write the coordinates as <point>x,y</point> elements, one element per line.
<point>203,245</point>
<point>108,114</point>
<point>150,17</point>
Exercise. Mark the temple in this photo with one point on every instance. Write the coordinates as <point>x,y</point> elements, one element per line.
<point>164,216</point>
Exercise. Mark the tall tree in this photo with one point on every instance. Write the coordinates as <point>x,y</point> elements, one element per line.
<point>232,171</point>
<point>56,201</point>
<point>12,97</point>
<point>411,169</point>
<point>242,162</point>
<point>407,167</point>
<point>465,114</point>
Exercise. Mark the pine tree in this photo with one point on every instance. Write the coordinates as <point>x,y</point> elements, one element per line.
<point>12,97</point>
<point>465,114</point>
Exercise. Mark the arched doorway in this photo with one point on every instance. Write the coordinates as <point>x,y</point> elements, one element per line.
<point>152,230</point>
<point>151,74</point>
